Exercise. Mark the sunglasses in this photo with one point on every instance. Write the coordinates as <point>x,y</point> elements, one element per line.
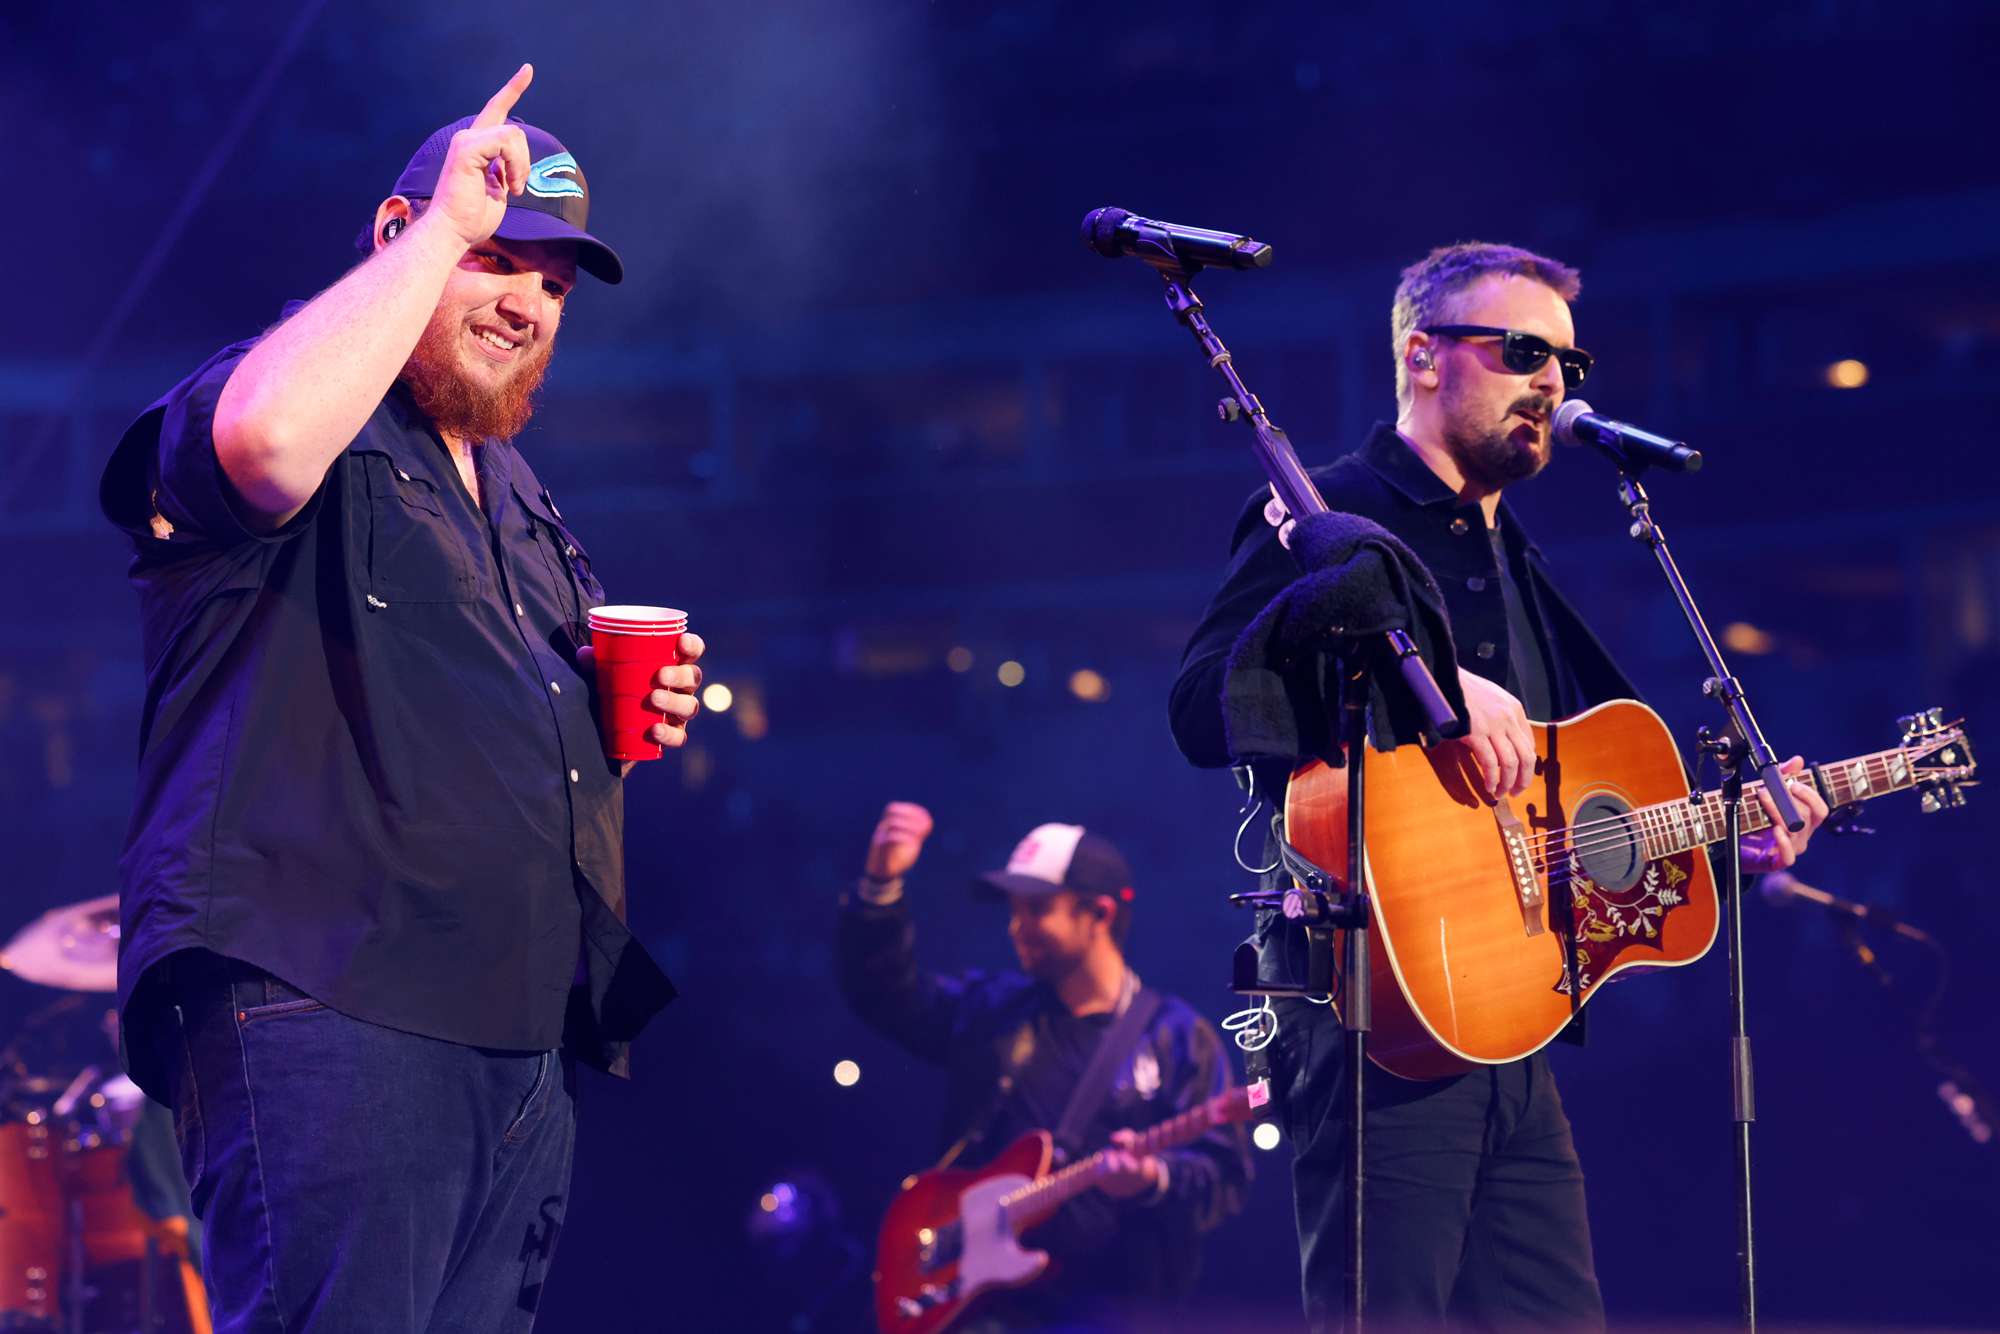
<point>1524,353</point>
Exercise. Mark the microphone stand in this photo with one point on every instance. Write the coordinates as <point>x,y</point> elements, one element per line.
<point>1740,749</point>
<point>1321,910</point>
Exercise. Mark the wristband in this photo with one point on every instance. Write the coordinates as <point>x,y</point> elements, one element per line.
<point>879,893</point>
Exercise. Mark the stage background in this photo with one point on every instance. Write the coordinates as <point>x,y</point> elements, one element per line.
<point>865,399</point>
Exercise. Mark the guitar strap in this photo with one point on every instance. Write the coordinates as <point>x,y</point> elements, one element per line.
<point>1113,1048</point>
<point>1018,1053</point>
<point>1135,1011</point>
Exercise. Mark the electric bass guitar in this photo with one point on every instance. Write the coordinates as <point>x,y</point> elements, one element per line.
<point>954,1234</point>
<point>1497,920</point>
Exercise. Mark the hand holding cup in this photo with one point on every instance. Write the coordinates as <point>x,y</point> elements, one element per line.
<point>647,665</point>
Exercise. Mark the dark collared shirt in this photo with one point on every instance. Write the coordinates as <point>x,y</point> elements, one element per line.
<point>368,761</point>
<point>1386,481</point>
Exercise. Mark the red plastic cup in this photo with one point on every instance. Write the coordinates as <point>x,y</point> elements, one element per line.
<point>631,645</point>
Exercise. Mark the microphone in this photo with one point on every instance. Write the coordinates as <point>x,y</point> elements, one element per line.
<point>1783,888</point>
<point>1576,424</point>
<point>1113,233</point>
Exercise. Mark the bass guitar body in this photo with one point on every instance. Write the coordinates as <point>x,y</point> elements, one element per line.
<point>1495,922</point>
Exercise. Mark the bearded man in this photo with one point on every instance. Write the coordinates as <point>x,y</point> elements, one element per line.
<point>373,892</point>
<point>1474,1197</point>
<point>1074,1044</point>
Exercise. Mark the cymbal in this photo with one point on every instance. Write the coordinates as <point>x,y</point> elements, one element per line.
<point>75,948</point>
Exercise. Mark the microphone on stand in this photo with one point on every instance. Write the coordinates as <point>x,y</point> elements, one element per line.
<point>1576,424</point>
<point>1783,888</point>
<point>1113,233</point>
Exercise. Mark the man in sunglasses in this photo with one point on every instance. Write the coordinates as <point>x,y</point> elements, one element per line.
<point>1475,1203</point>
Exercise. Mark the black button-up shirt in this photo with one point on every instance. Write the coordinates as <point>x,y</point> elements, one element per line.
<point>368,761</point>
<point>1386,481</point>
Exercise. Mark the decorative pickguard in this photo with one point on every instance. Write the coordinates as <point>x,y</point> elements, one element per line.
<point>1608,922</point>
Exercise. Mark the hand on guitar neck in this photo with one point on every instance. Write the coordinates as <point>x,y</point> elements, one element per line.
<point>1775,848</point>
<point>1128,1173</point>
<point>1500,749</point>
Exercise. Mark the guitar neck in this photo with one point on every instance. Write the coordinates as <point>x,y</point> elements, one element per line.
<point>1675,826</point>
<point>1036,1201</point>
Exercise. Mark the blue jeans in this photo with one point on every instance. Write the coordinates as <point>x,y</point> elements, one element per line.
<point>356,1178</point>
<point>1475,1205</point>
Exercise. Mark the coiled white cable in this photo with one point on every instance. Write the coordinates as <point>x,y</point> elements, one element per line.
<point>1254,1028</point>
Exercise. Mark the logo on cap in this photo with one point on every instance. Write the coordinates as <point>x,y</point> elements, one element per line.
<point>1046,852</point>
<point>554,177</point>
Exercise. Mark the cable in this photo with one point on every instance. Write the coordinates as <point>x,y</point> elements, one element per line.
<point>1252,806</point>
<point>1253,1029</point>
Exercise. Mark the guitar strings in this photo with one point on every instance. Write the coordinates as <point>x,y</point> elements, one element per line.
<point>1872,764</point>
<point>1628,822</point>
<point>1633,827</point>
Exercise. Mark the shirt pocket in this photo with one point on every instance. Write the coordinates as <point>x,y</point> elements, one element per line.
<point>415,553</point>
<point>568,562</point>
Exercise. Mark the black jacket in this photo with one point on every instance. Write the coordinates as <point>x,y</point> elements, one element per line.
<point>1387,482</point>
<point>977,1024</point>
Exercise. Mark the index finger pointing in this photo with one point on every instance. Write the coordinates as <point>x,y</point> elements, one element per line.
<point>497,106</point>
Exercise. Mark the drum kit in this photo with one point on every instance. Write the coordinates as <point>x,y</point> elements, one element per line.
<point>78,1253</point>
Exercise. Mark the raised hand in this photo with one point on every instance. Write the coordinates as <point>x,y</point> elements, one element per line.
<point>487,163</point>
<point>899,836</point>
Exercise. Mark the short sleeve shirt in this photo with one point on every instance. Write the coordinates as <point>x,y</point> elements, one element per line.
<point>368,759</point>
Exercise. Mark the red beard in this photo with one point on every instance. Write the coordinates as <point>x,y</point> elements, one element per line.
<point>455,405</point>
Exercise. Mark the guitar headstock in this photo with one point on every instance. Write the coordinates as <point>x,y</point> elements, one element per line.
<point>1940,757</point>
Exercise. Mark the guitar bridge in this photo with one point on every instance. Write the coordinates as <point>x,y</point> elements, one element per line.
<point>1521,866</point>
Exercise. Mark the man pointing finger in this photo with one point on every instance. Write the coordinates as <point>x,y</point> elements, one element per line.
<point>373,896</point>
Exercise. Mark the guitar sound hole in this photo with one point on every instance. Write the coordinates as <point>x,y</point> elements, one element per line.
<point>1605,844</point>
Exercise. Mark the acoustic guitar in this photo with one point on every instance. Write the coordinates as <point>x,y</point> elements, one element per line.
<point>954,1233</point>
<point>1496,921</point>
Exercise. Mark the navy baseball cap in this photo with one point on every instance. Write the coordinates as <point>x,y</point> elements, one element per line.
<point>554,207</point>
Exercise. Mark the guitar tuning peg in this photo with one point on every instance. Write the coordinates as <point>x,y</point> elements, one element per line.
<point>1936,717</point>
